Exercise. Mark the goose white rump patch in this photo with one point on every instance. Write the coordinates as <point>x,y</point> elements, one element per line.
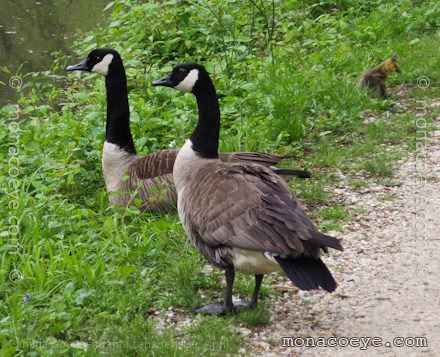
<point>102,67</point>
<point>189,81</point>
<point>252,261</point>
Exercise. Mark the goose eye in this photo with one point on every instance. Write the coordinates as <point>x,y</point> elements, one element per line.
<point>182,70</point>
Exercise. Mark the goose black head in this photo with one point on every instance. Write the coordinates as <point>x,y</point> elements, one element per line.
<point>187,77</point>
<point>98,61</point>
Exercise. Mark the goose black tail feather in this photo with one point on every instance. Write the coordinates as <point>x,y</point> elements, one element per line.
<point>326,241</point>
<point>292,173</point>
<point>307,273</point>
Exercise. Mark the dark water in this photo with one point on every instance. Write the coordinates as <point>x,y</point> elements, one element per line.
<point>31,30</point>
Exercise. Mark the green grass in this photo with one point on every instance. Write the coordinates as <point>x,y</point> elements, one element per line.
<point>389,197</point>
<point>336,212</point>
<point>379,166</point>
<point>256,317</point>
<point>332,217</point>
<point>312,191</point>
<point>93,279</point>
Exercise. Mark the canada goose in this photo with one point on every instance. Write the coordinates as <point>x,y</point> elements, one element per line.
<point>374,79</point>
<point>149,177</point>
<point>241,216</point>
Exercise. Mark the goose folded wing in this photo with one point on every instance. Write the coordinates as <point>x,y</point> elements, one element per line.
<point>249,207</point>
<point>252,157</point>
<point>161,162</point>
<point>158,193</point>
<point>155,164</point>
<point>151,177</point>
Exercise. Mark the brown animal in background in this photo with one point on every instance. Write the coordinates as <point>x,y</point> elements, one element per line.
<point>375,78</point>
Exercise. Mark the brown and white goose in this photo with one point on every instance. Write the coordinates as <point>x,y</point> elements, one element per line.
<point>241,216</point>
<point>149,177</point>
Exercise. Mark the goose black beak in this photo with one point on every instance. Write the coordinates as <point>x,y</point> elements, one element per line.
<point>165,81</point>
<point>398,70</point>
<point>79,67</point>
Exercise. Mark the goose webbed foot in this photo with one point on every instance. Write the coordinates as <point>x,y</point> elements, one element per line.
<point>245,305</point>
<point>219,308</point>
<point>215,308</point>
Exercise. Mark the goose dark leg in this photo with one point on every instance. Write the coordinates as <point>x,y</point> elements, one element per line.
<point>221,308</point>
<point>254,299</point>
<point>242,305</point>
<point>228,307</point>
<point>230,276</point>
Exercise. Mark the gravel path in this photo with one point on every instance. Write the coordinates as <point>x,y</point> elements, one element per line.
<point>388,276</point>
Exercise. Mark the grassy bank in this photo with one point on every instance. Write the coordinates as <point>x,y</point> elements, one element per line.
<point>77,278</point>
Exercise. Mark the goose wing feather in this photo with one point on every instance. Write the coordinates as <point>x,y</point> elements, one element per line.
<point>248,206</point>
<point>151,176</point>
<point>252,157</point>
<point>155,164</point>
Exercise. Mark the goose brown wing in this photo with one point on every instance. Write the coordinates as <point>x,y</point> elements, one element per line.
<point>157,194</point>
<point>152,179</point>
<point>151,176</point>
<point>155,164</point>
<point>252,157</point>
<point>162,162</point>
<point>249,207</point>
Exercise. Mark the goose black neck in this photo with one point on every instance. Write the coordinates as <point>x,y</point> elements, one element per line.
<point>206,135</point>
<point>118,111</point>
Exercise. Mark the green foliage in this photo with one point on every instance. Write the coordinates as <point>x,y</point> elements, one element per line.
<point>256,317</point>
<point>336,212</point>
<point>285,73</point>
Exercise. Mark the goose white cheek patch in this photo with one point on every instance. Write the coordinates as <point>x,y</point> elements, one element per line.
<point>189,81</point>
<point>102,67</point>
